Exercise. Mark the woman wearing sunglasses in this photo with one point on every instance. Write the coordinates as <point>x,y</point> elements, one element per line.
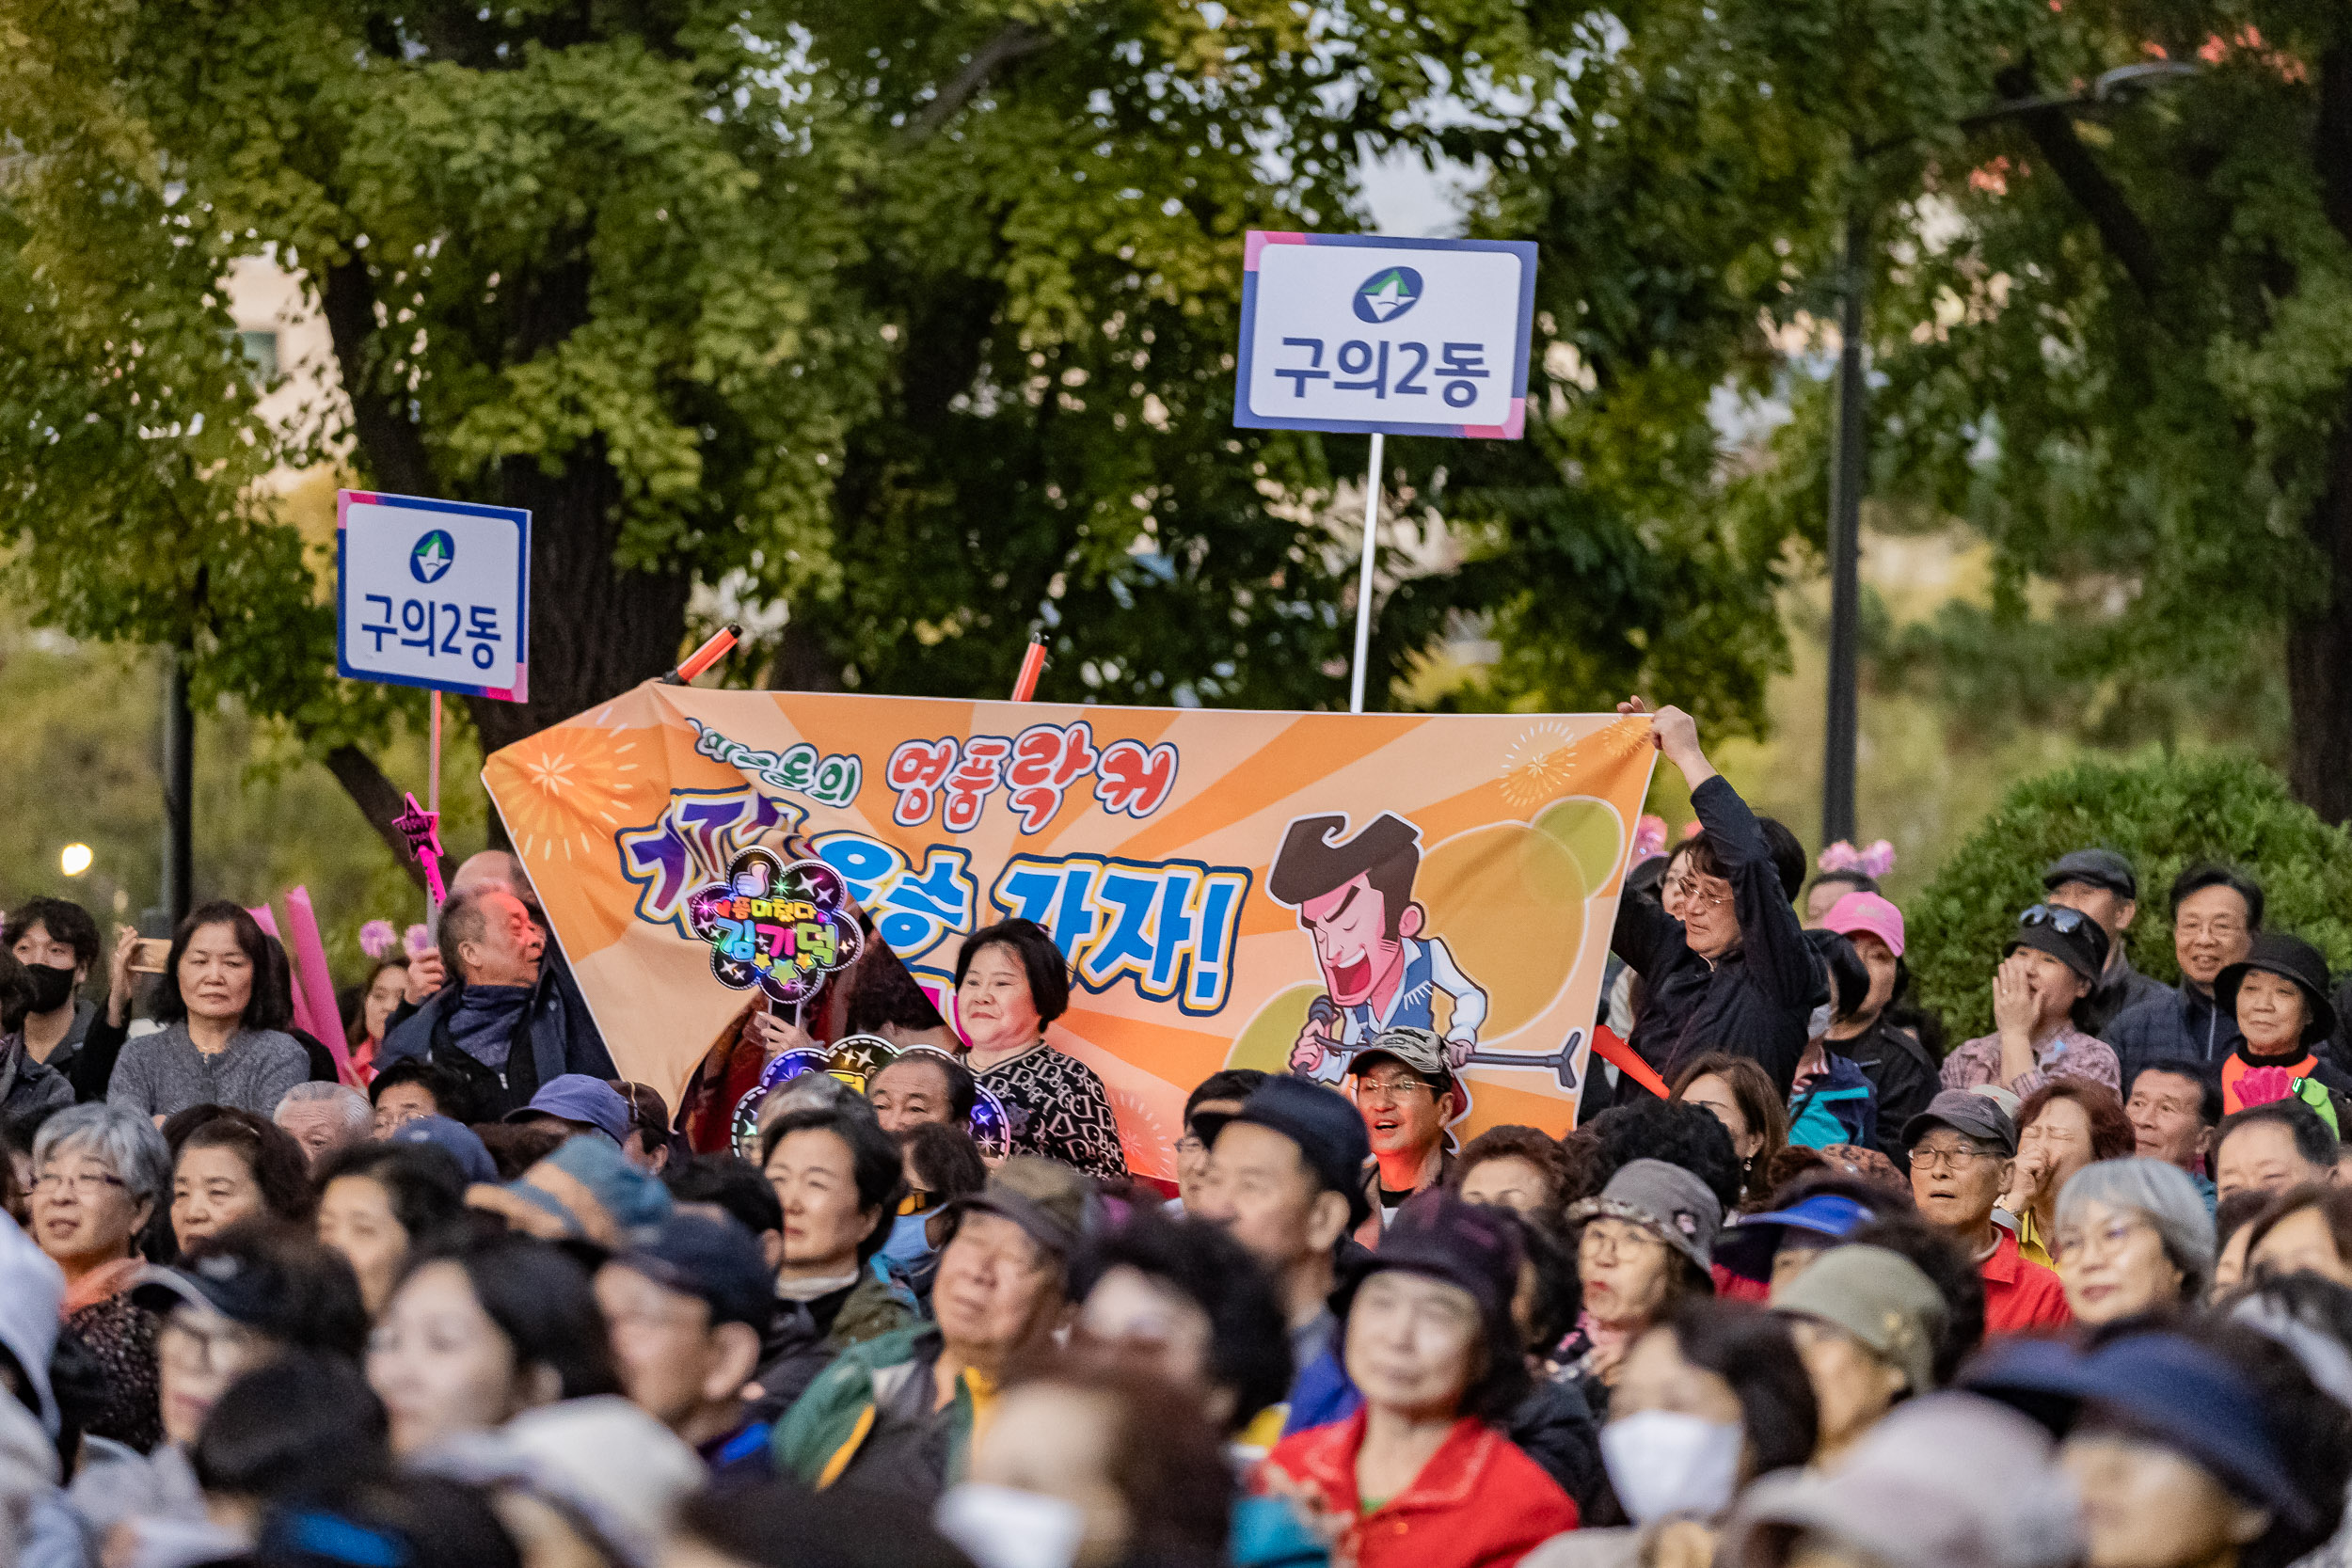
<point>2048,971</point>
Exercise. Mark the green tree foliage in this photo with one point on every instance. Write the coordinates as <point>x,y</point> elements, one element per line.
<point>918,321</point>
<point>2165,818</point>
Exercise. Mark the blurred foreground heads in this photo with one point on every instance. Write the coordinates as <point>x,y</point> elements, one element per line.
<point>1945,1482</point>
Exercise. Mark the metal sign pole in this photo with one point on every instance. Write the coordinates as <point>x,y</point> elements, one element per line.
<point>432,794</point>
<point>1363,582</point>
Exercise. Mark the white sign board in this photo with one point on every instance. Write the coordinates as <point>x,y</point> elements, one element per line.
<point>1362,332</point>
<point>433,593</point>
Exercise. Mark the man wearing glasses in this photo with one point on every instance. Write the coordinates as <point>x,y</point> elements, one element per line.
<point>1964,1150</point>
<point>2047,973</point>
<point>2216,913</point>
<point>1406,1090</point>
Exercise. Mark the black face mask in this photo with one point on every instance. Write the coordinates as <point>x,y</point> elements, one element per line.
<point>53,988</point>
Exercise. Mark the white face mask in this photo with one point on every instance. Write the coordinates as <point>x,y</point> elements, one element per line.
<point>1817,1025</point>
<point>1000,1528</point>
<point>1664,1463</point>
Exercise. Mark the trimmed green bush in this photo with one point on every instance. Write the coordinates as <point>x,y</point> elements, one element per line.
<point>2165,815</point>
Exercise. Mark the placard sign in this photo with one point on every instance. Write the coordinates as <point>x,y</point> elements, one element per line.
<point>433,593</point>
<point>1368,333</point>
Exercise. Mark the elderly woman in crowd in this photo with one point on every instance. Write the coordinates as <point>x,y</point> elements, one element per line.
<point>1419,1477</point>
<point>2203,1446</point>
<point>1866,1323</point>
<point>1646,1244</point>
<point>1011,981</point>
<point>2132,1237</point>
<point>232,1165</point>
<point>2062,1127</point>
<point>100,1173</point>
<point>223,1041</point>
<point>2279,995</point>
<point>1712,1396</point>
<point>2047,972</point>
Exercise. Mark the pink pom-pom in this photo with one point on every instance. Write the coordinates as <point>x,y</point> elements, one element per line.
<point>1839,856</point>
<point>1878,860</point>
<point>418,940</point>
<point>378,938</point>
<point>1650,837</point>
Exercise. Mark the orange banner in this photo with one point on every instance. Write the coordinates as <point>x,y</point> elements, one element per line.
<point>1217,878</point>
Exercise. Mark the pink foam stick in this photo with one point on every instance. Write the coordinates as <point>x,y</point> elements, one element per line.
<point>268,923</point>
<point>313,978</point>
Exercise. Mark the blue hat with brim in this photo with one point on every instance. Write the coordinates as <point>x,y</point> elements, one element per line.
<point>1748,1244</point>
<point>2171,1390</point>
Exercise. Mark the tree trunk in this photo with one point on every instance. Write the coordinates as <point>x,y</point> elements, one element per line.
<point>2319,646</point>
<point>596,630</point>
<point>2319,650</point>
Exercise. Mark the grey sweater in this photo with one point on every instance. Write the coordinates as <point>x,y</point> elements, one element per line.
<point>162,1073</point>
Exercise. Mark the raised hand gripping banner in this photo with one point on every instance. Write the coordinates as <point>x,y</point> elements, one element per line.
<point>1233,889</point>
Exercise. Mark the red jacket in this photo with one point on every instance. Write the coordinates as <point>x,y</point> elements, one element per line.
<point>1478,1503</point>
<point>2020,1296</point>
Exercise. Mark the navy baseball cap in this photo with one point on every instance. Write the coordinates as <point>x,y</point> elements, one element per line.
<point>712,1259</point>
<point>453,1138</point>
<point>1324,1123</point>
<point>2171,1388</point>
<point>1747,1245</point>
<point>577,1097</point>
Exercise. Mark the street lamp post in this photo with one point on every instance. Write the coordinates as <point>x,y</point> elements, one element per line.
<point>179,789</point>
<point>1848,472</point>
<point>1851,451</point>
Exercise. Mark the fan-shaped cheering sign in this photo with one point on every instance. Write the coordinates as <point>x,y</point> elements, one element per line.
<point>856,1059</point>
<point>780,928</point>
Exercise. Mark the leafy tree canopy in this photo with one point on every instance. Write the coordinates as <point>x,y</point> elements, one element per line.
<point>918,321</point>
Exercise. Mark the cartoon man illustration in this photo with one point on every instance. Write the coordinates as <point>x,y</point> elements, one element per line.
<point>1379,971</point>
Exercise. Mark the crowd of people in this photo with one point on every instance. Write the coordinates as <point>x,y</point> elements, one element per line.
<point>1812,1290</point>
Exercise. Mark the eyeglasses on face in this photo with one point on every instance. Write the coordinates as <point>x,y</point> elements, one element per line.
<point>1390,1089</point>
<point>2100,1241</point>
<point>1954,1159</point>
<point>82,1183</point>
<point>1686,887</point>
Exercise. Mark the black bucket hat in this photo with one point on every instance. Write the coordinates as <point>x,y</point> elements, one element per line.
<point>2069,936</point>
<point>2290,958</point>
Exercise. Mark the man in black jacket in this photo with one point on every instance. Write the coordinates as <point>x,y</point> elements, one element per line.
<point>1734,973</point>
<point>509,1023</point>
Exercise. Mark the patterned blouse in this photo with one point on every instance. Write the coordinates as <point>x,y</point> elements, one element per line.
<point>2068,1054</point>
<point>1057,1108</point>
<point>122,1336</point>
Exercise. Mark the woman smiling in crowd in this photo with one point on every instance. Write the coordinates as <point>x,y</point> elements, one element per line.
<point>1011,981</point>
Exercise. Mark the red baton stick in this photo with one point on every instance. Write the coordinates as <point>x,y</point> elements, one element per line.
<point>705,657</point>
<point>1032,666</point>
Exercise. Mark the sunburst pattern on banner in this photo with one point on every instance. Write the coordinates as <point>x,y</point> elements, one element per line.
<point>573,779</point>
<point>1536,768</point>
<point>1624,738</point>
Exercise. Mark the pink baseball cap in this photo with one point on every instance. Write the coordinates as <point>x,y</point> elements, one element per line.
<point>1868,911</point>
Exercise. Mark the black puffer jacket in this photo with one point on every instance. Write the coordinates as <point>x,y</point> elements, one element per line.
<point>1755,1000</point>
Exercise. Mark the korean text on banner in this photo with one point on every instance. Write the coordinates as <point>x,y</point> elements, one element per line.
<point>1364,332</point>
<point>1233,889</point>
<point>433,593</point>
